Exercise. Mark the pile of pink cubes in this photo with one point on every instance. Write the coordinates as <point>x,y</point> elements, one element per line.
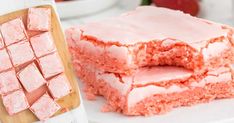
<point>30,62</point>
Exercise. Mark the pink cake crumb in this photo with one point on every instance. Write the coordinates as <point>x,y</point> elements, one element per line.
<point>157,104</point>
<point>39,19</point>
<point>13,31</point>
<point>31,78</point>
<point>59,86</point>
<point>20,53</point>
<point>155,90</point>
<point>1,42</point>
<point>5,60</point>
<point>123,44</point>
<point>51,65</point>
<point>15,102</point>
<point>42,44</point>
<point>89,93</point>
<point>44,107</point>
<point>107,108</point>
<point>8,82</point>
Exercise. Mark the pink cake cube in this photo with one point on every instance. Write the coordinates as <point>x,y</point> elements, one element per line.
<point>13,31</point>
<point>31,78</point>
<point>8,82</point>
<point>51,65</point>
<point>42,44</point>
<point>1,41</point>
<point>44,107</point>
<point>15,102</point>
<point>157,89</point>
<point>21,53</point>
<point>5,60</point>
<point>39,19</point>
<point>123,44</point>
<point>59,86</point>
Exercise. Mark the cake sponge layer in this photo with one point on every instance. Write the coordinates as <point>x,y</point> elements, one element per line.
<point>167,37</point>
<point>155,90</point>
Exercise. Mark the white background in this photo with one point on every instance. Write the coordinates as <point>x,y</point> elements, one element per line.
<point>215,10</point>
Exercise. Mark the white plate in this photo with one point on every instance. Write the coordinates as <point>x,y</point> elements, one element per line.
<point>219,111</point>
<point>76,8</point>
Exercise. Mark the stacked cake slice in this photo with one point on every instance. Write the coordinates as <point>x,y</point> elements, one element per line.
<point>151,60</point>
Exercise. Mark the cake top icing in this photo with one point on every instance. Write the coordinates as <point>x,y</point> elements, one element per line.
<point>153,23</point>
<point>161,74</point>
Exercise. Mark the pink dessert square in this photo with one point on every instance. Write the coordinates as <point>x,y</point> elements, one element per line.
<point>21,53</point>
<point>155,90</point>
<point>15,102</point>
<point>13,31</point>
<point>44,107</point>
<point>42,44</point>
<point>1,41</point>
<point>123,44</point>
<point>31,78</point>
<point>39,19</point>
<point>8,82</point>
<point>59,86</point>
<point>5,60</point>
<point>51,65</point>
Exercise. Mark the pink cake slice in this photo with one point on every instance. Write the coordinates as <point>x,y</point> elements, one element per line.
<point>13,31</point>
<point>31,78</point>
<point>155,90</point>
<point>51,65</point>
<point>1,41</point>
<point>42,44</point>
<point>5,60</point>
<point>151,36</point>
<point>20,53</point>
<point>44,107</point>
<point>15,102</point>
<point>8,82</point>
<point>39,19</point>
<point>59,86</point>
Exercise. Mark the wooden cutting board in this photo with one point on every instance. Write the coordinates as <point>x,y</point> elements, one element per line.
<point>68,102</point>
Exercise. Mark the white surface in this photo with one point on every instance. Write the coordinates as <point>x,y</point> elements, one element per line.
<point>77,115</point>
<point>216,10</point>
<point>214,112</point>
<point>220,11</point>
<point>120,7</point>
<point>77,8</point>
<point>221,111</point>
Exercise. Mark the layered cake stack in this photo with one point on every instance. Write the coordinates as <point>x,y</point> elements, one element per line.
<point>151,60</point>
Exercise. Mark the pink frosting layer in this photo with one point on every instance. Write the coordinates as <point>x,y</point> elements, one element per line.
<point>215,49</point>
<point>161,74</point>
<point>153,23</point>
